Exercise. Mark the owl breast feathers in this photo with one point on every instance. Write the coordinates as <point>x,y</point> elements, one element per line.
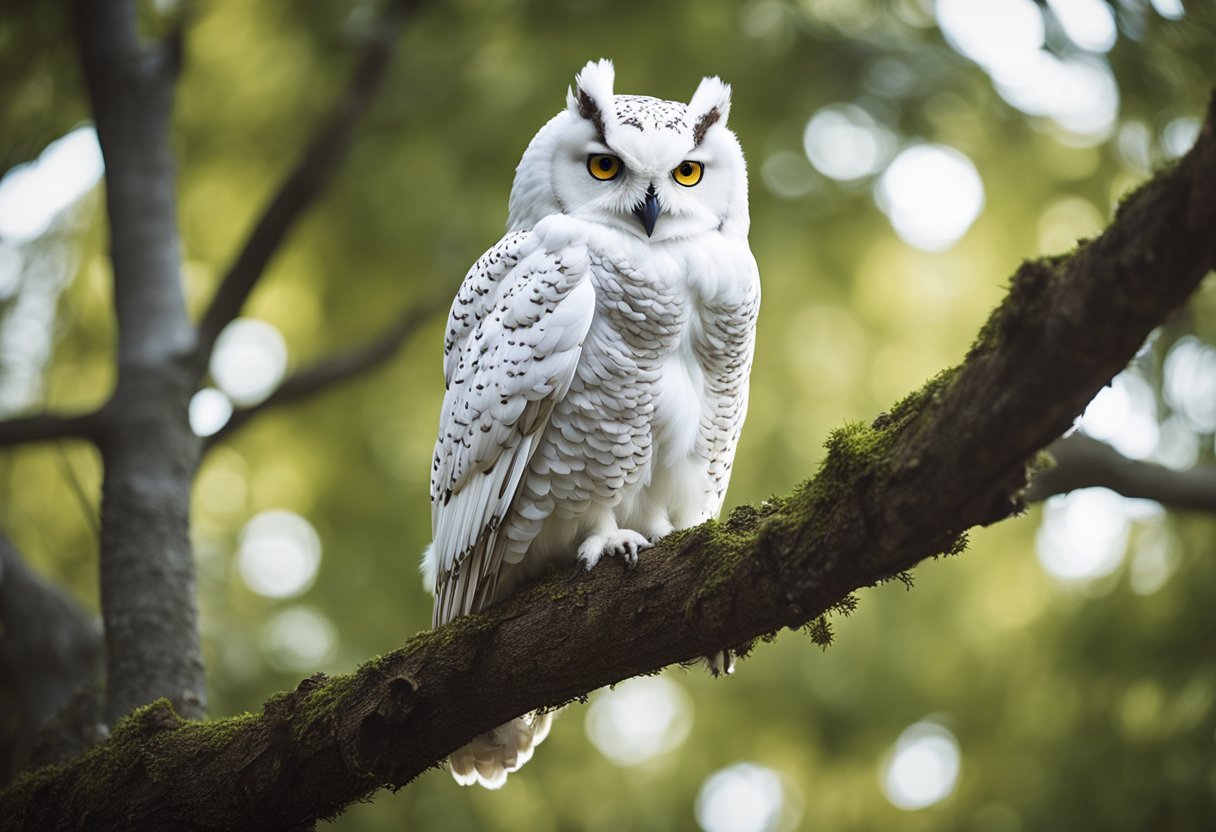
<point>596,359</point>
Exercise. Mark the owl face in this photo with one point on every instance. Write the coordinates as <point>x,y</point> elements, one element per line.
<point>653,169</point>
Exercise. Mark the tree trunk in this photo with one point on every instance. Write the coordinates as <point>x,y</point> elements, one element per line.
<point>148,594</point>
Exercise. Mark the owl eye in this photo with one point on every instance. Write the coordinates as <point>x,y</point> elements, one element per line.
<point>604,167</point>
<point>688,173</point>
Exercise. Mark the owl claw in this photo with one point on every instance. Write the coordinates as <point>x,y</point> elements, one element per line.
<point>658,530</point>
<point>622,543</point>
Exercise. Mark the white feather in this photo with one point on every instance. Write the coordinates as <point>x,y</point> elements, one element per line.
<point>712,93</point>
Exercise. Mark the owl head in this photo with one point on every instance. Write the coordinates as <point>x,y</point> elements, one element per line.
<point>654,169</point>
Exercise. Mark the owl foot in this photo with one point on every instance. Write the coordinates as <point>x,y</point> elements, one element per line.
<point>623,543</point>
<point>658,529</point>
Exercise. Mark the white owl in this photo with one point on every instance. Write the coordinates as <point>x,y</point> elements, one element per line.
<point>596,359</point>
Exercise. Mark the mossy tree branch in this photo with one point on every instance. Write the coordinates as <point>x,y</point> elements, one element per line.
<point>952,456</point>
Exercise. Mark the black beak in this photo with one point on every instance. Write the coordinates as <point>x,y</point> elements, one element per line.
<point>647,211</point>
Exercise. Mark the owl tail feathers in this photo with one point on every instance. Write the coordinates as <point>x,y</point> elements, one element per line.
<point>489,758</point>
<point>721,663</point>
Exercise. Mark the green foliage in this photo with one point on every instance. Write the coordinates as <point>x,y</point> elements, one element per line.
<point>1075,706</point>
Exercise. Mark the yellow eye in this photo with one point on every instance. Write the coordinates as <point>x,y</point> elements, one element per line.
<point>688,173</point>
<point>604,167</point>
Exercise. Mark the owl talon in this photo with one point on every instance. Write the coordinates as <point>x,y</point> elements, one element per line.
<point>658,530</point>
<point>622,543</point>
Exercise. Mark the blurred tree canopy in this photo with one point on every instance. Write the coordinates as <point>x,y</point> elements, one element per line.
<point>1060,675</point>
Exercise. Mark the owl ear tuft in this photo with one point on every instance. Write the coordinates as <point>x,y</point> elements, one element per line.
<point>710,105</point>
<point>591,96</point>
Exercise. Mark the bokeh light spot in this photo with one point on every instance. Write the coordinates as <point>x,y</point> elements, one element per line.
<point>1169,9</point>
<point>1179,135</point>
<point>33,194</point>
<point>1177,445</point>
<point>1006,38</point>
<point>997,34</point>
<point>639,719</point>
<point>298,639</point>
<point>770,22</point>
<point>210,410</point>
<point>1083,535</point>
<point>1124,414</point>
<point>1134,142</point>
<point>1090,24</point>
<point>923,767</point>
<point>249,360</point>
<point>1190,383</point>
<point>1079,94</point>
<point>1154,559</point>
<point>844,142</point>
<point>744,797</point>
<point>222,487</point>
<point>1065,222</point>
<point>932,194</point>
<point>279,554</point>
<point>787,175</point>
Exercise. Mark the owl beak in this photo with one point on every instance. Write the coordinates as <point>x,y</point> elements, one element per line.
<point>647,211</point>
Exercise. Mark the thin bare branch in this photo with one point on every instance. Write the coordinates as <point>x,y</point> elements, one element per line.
<point>331,372</point>
<point>304,182</point>
<point>77,488</point>
<point>49,426</point>
<point>1084,462</point>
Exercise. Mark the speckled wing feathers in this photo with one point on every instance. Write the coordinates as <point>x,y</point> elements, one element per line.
<point>514,338</point>
<point>725,346</point>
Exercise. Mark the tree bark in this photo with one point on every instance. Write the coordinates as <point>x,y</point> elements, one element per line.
<point>949,457</point>
<point>149,454</point>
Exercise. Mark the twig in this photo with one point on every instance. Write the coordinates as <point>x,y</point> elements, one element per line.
<point>77,489</point>
<point>1084,462</point>
<point>330,372</point>
<point>300,188</point>
<point>47,426</point>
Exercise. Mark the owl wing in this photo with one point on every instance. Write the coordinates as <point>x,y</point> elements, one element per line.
<point>725,344</point>
<point>513,341</point>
